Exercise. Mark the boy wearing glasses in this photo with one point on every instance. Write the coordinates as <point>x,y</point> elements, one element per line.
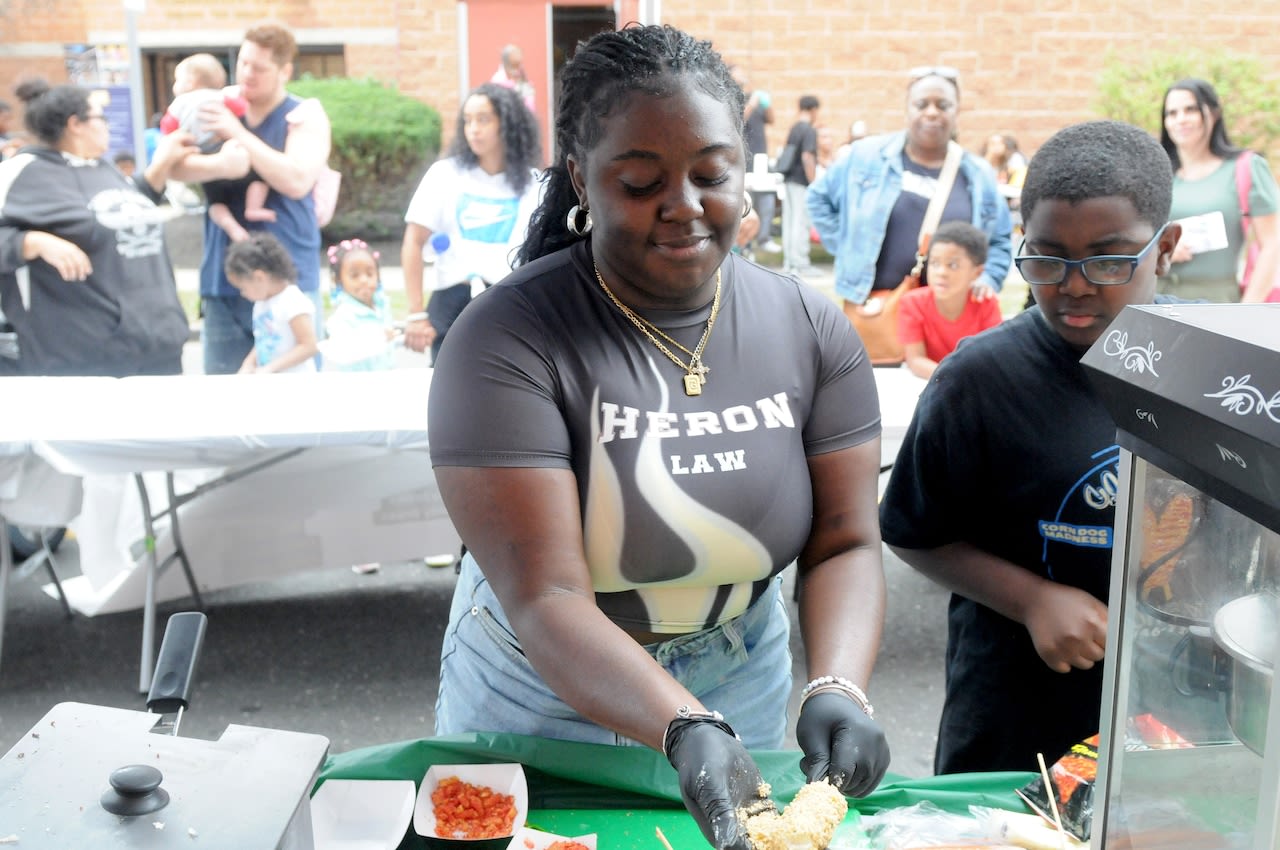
<point>1004,490</point>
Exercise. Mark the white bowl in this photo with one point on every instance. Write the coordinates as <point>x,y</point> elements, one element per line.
<point>361,814</point>
<point>535,839</point>
<point>504,778</point>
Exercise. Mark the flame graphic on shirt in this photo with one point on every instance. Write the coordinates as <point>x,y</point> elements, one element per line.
<point>724,553</point>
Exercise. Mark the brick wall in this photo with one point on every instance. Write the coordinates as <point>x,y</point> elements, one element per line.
<point>1027,67</point>
<point>31,35</point>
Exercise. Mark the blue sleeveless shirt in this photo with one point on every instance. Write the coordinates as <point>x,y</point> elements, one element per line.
<point>295,225</point>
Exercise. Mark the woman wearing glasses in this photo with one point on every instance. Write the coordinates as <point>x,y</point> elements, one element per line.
<point>1211,178</point>
<point>84,276</point>
<point>869,206</point>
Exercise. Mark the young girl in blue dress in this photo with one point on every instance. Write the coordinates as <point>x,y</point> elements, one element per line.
<point>361,332</point>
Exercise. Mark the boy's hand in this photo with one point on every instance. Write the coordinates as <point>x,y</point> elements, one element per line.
<point>1068,627</point>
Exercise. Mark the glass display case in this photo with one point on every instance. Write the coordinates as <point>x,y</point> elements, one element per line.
<point>1190,734</point>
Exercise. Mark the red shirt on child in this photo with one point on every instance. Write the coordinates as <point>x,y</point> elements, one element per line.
<point>920,321</point>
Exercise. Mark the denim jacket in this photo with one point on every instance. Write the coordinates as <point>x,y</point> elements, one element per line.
<point>850,205</point>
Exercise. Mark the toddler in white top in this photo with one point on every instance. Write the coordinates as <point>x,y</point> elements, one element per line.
<point>284,335</point>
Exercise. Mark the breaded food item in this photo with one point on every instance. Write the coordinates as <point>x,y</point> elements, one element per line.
<point>807,824</point>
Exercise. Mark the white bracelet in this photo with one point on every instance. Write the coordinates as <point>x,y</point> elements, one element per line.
<point>838,683</point>
<point>416,317</point>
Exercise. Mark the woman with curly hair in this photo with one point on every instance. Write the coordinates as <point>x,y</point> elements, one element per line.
<point>476,203</point>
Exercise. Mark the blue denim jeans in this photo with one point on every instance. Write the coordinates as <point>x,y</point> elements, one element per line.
<point>741,669</point>
<point>227,332</point>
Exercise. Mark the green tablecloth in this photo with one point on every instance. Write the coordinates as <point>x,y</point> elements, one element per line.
<point>623,793</point>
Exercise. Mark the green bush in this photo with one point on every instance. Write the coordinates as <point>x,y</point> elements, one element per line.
<point>1130,89</point>
<point>383,142</point>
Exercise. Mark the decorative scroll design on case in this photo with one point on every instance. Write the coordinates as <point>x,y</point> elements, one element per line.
<point>1227,454</point>
<point>1147,416</point>
<point>1242,399</point>
<point>1135,358</point>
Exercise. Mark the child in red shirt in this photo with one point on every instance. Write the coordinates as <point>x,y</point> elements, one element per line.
<point>933,319</point>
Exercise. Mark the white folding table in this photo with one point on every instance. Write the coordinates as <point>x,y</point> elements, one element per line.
<point>250,433</point>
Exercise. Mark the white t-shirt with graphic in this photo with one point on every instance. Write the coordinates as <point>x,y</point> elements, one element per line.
<point>272,333</point>
<point>484,218</point>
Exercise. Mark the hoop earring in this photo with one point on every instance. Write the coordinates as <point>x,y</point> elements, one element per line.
<point>571,222</point>
<point>747,206</point>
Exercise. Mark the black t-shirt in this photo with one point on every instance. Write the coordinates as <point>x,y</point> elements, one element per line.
<point>805,137</point>
<point>689,504</point>
<point>1010,451</point>
<point>902,234</point>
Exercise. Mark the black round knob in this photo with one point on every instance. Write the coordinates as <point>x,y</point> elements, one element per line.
<point>135,790</point>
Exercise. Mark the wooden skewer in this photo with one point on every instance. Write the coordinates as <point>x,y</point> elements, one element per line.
<point>1053,801</point>
<point>662,838</point>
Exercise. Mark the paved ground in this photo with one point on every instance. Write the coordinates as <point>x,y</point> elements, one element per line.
<point>354,657</point>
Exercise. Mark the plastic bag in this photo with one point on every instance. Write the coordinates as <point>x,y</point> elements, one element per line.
<point>926,825</point>
<point>1027,831</point>
<point>1073,777</point>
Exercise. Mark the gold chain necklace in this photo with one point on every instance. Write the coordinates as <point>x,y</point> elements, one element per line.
<point>695,373</point>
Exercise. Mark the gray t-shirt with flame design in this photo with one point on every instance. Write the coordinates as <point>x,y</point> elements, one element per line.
<point>689,503</point>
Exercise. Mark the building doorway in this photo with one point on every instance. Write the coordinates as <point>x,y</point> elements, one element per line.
<point>572,24</point>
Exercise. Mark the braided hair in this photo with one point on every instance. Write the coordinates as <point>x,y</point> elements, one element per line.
<point>521,139</point>
<point>652,60</point>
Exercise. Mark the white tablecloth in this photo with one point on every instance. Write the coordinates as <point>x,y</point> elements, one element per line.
<point>360,490</point>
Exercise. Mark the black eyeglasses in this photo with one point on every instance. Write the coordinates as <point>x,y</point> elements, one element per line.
<point>1102,270</point>
<point>96,115</point>
<point>944,71</point>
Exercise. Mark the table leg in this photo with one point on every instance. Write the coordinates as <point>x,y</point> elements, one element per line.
<point>6,567</point>
<point>149,603</point>
<point>179,550</point>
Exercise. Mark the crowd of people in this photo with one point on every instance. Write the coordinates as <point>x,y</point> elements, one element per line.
<point>635,428</point>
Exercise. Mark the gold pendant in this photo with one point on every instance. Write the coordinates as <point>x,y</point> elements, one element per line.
<point>693,385</point>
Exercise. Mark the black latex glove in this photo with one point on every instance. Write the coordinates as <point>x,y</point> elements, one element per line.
<point>717,778</point>
<point>841,743</point>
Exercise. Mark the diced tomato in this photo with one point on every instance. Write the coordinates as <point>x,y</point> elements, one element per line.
<point>471,811</point>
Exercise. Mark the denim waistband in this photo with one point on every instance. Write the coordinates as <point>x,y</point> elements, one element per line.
<point>730,631</point>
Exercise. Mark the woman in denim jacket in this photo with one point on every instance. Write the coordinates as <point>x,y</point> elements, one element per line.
<point>869,205</point>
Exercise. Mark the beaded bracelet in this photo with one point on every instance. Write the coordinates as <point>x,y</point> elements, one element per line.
<point>844,686</point>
